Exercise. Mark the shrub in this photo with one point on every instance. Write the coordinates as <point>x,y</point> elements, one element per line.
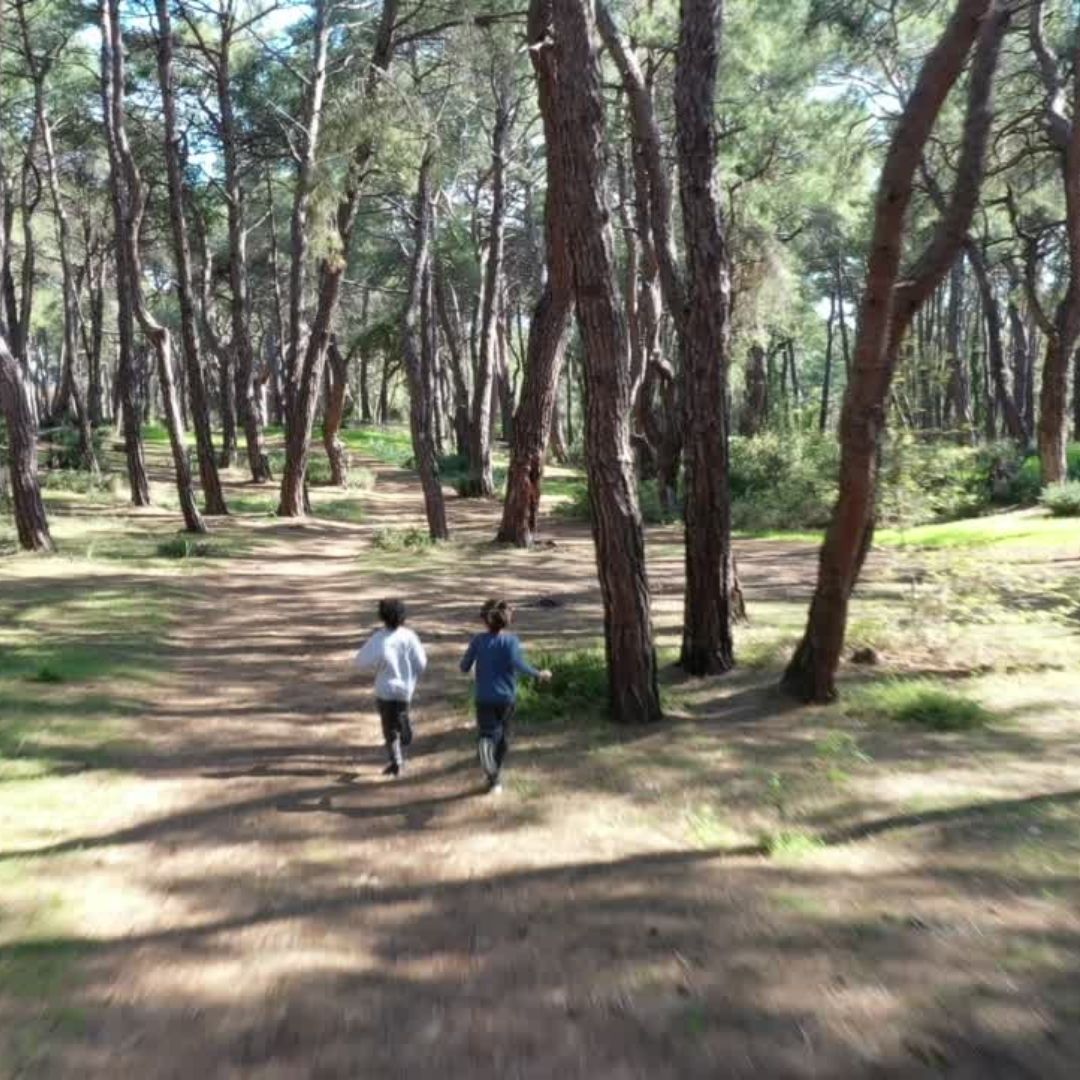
<point>921,703</point>
<point>1062,500</point>
<point>575,507</point>
<point>413,539</point>
<point>63,446</point>
<point>578,690</point>
<point>182,547</point>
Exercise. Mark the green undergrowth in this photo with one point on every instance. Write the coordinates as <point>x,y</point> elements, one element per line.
<point>918,702</point>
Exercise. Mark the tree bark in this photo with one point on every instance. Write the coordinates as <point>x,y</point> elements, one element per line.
<point>958,388</point>
<point>20,419</point>
<point>131,204</point>
<point>707,647</point>
<point>450,320</point>
<point>213,496</point>
<point>479,482</point>
<point>127,372</point>
<point>888,307</point>
<point>70,392</point>
<point>826,382</point>
<point>1003,399</point>
<point>418,359</point>
<point>331,272</point>
<point>1063,332</point>
<point>756,398</point>
<point>337,385</point>
<point>577,121</point>
<point>548,330</point>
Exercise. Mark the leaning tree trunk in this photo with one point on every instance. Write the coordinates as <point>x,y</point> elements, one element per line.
<point>576,117</point>
<point>131,204</point>
<point>550,322</point>
<point>450,320</point>
<point>479,481</point>
<point>20,420</point>
<point>706,641</point>
<point>213,496</point>
<point>337,385</point>
<point>243,353</point>
<point>419,361</point>
<point>308,381</point>
<point>127,373</point>
<point>889,304</point>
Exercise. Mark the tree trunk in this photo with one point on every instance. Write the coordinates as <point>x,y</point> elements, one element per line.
<point>577,122</point>
<point>130,202</point>
<point>337,385</point>
<point>548,330</point>
<point>450,320</point>
<point>213,496</point>
<point>756,399</point>
<point>479,481</point>
<point>890,302</point>
<point>20,420</point>
<point>826,382</point>
<point>95,394</point>
<point>958,389</point>
<point>308,381</point>
<point>243,355</point>
<point>311,121</point>
<point>1003,399</point>
<point>127,372</point>
<point>706,641</point>
<point>417,358</point>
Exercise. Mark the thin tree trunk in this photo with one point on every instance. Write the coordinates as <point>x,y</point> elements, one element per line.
<point>337,385</point>
<point>958,389</point>
<point>577,122</point>
<point>450,319</point>
<point>213,496</point>
<point>130,204</point>
<point>826,382</point>
<point>889,304</point>
<point>417,358</point>
<point>331,273</point>
<point>127,372</point>
<point>479,481</point>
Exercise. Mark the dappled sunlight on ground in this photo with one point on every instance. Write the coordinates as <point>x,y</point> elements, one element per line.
<point>209,875</point>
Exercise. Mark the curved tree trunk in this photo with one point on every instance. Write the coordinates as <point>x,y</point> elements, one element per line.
<point>127,369</point>
<point>549,328</point>
<point>888,307</point>
<point>577,122</point>
<point>213,496</point>
<point>130,201</point>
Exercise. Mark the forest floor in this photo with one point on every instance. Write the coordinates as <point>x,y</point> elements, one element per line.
<point>203,874</point>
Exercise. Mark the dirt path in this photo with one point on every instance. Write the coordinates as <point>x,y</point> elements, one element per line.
<point>264,904</point>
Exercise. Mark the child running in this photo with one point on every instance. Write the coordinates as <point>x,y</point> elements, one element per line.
<point>398,659</point>
<point>499,659</point>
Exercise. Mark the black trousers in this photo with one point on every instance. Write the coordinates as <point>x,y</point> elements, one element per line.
<point>396,728</point>
<point>493,722</point>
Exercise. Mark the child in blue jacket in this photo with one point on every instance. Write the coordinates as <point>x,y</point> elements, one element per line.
<point>499,659</point>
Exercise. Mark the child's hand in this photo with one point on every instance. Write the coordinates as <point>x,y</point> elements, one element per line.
<point>545,675</point>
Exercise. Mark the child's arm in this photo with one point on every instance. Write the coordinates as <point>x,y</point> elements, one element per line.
<point>367,659</point>
<point>469,658</point>
<point>524,667</point>
<point>419,655</point>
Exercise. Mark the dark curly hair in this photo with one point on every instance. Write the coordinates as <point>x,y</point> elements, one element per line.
<point>497,615</point>
<point>392,612</point>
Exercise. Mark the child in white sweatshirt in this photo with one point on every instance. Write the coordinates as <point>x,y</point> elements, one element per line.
<point>398,659</point>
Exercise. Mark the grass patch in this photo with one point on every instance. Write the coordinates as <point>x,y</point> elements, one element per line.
<point>340,510</point>
<point>414,539</point>
<point>183,547</point>
<point>1062,500</point>
<point>789,844</point>
<point>921,703</point>
<point>578,690</point>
